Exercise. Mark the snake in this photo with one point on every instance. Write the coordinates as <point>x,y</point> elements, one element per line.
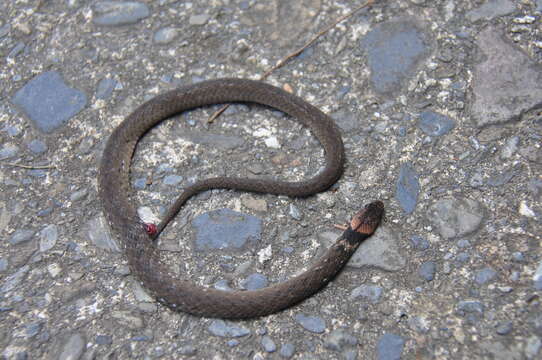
<point>137,237</point>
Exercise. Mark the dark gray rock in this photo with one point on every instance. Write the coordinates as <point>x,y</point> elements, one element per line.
<point>104,339</point>
<point>4,30</point>
<point>13,281</point>
<point>287,350</point>
<point>187,349</point>
<point>427,270</point>
<point>8,151</point>
<point>537,277</point>
<point>455,217</point>
<point>235,229</point>
<point>407,188</point>
<point>3,264</point>
<point>501,178</point>
<point>381,251</point>
<point>470,306</point>
<point>227,329</point>
<point>113,13</point>
<point>268,344</point>
<point>507,83</point>
<point>73,348</point>
<point>48,101</point>
<point>435,124</point>
<point>419,242</point>
<point>394,50</point>
<point>105,88</point>
<point>313,324</point>
<point>491,9</point>
<point>48,237</point>
<point>484,275</point>
<point>504,328</point>
<point>33,329</point>
<point>222,285</point>
<point>390,347</point>
<point>254,282</point>
<point>97,232</point>
<point>339,340</point>
<point>369,292</point>
<point>21,236</point>
<point>165,35</point>
<point>37,146</point>
<point>172,180</point>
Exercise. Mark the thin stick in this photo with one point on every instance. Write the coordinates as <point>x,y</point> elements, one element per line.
<point>287,58</point>
<point>28,166</point>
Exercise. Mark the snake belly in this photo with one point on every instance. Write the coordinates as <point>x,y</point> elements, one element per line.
<point>143,257</point>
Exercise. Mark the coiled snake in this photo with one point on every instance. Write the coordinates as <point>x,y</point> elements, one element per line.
<point>137,238</point>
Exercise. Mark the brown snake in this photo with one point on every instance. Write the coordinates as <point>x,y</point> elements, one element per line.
<point>143,256</point>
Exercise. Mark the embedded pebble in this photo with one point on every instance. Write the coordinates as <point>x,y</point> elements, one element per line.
<point>113,13</point>
<point>222,285</point>
<point>484,275</point>
<point>456,217</point>
<point>339,339</point>
<point>37,146</point>
<point>537,277</point>
<point>370,292</point>
<point>268,344</point>
<point>435,124</point>
<point>79,195</point>
<point>419,243</point>
<point>427,270</point>
<point>73,348</point>
<point>470,306</point>
<point>510,147</point>
<point>313,324</point>
<point>48,237</point>
<point>172,180</point>
<point>8,151</point>
<point>390,347</point>
<point>504,328</point>
<point>287,350</point>
<point>381,251</point>
<point>407,188</point>
<point>48,101</point>
<point>12,282</point>
<point>200,19</point>
<point>491,9</point>
<point>187,350</point>
<point>227,329</point>
<point>3,264</point>
<point>104,339</point>
<point>254,282</point>
<point>105,88</point>
<point>165,35</point>
<point>21,236</point>
<point>294,212</point>
<point>127,319</point>
<point>97,232</point>
<point>235,229</point>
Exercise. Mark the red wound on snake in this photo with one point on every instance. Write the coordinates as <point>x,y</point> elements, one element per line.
<point>151,229</point>
<point>366,221</point>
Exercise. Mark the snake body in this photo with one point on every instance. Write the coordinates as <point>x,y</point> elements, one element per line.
<point>142,255</point>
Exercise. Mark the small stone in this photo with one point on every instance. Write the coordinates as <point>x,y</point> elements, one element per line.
<point>98,233</point>
<point>532,348</point>
<point>455,217</point>
<point>390,347</point>
<point>254,204</point>
<point>427,270</point>
<point>73,348</point>
<point>105,88</point>
<point>268,344</point>
<point>470,306</point>
<point>313,324</point>
<point>525,210</point>
<point>21,236</point>
<point>484,275</point>
<point>287,350</point>
<point>370,292</point>
<point>79,195</point>
<point>48,237</point>
<point>54,270</point>
<point>504,328</point>
<point>272,142</point>
<point>222,285</point>
<point>339,339</point>
<point>224,329</point>
<point>33,329</point>
<point>537,277</point>
<point>13,281</point>
<point>419,243</point>
<point>254,282</point>
<point>510,148</point>
<point>3,264</point>
<point>407,188</point>
<point>8,151</point>
<point>294,212</point>
<point>111,13</point>
<point>187,350</point>
<point>165,35</point>
<point>435,124</point>
<point>125,318</point>
<point>37,146</point>
<point>172,180</point>
<point>104,340</point>
<point>232,342</point>
<point>200,19</point>
<point>491,9</point>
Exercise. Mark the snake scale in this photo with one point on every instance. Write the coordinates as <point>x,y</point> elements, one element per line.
<point>136,237</point>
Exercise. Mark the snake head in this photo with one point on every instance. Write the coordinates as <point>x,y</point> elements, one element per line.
<point>367,219</point>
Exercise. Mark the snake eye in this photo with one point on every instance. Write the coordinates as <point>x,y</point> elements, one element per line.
<point>150,229</point>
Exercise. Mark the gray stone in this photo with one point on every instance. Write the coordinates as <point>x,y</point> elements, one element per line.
<point>48,101</point>
<point>125,318</point>
<point>48,237</point>
<point>537,277</point>
<point>172,180</point>
<point>112,13</point>
<point>470,306</point>
<point>419,243</point>
<point>254,282</point>
<point>37,146</point>
<point>484,275</point>
<point>227,329</point>
<point>225,142</point>
<point>4,30</point>
<point>294,212</point>
<point>97,232</point>
<point>491,9</point>
<point>235,229</point>
<point>222,285</point>
<point>12,282</point>
<point>8,151</point>
<point>287,350</point>
<point>510,148</point>
<point>370,292</point>
<point>427,270</point>
<point>187,350</point>
<point>390,347</point>
<point>419,323</point>
<point>104,339</point>
<point>165,35</point>
<point>504,328</point>
<point>381,251</point>
<point>3,264</point>
<point>339,339</point>
<point>33,329</point>
<point>21,236</point>
<point>78,195</point>
<point>73,348</point>
<point>538,6</point>
<point>455,217</point>
<point>506,84</point>
<point>313,324</point>
<point>268,344</point>
<point>435,124</point>
<point>407,188</point>
<point>394,50</point>
<point>200,19</point>
<point>105,88</point>
<point>532,348</point>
